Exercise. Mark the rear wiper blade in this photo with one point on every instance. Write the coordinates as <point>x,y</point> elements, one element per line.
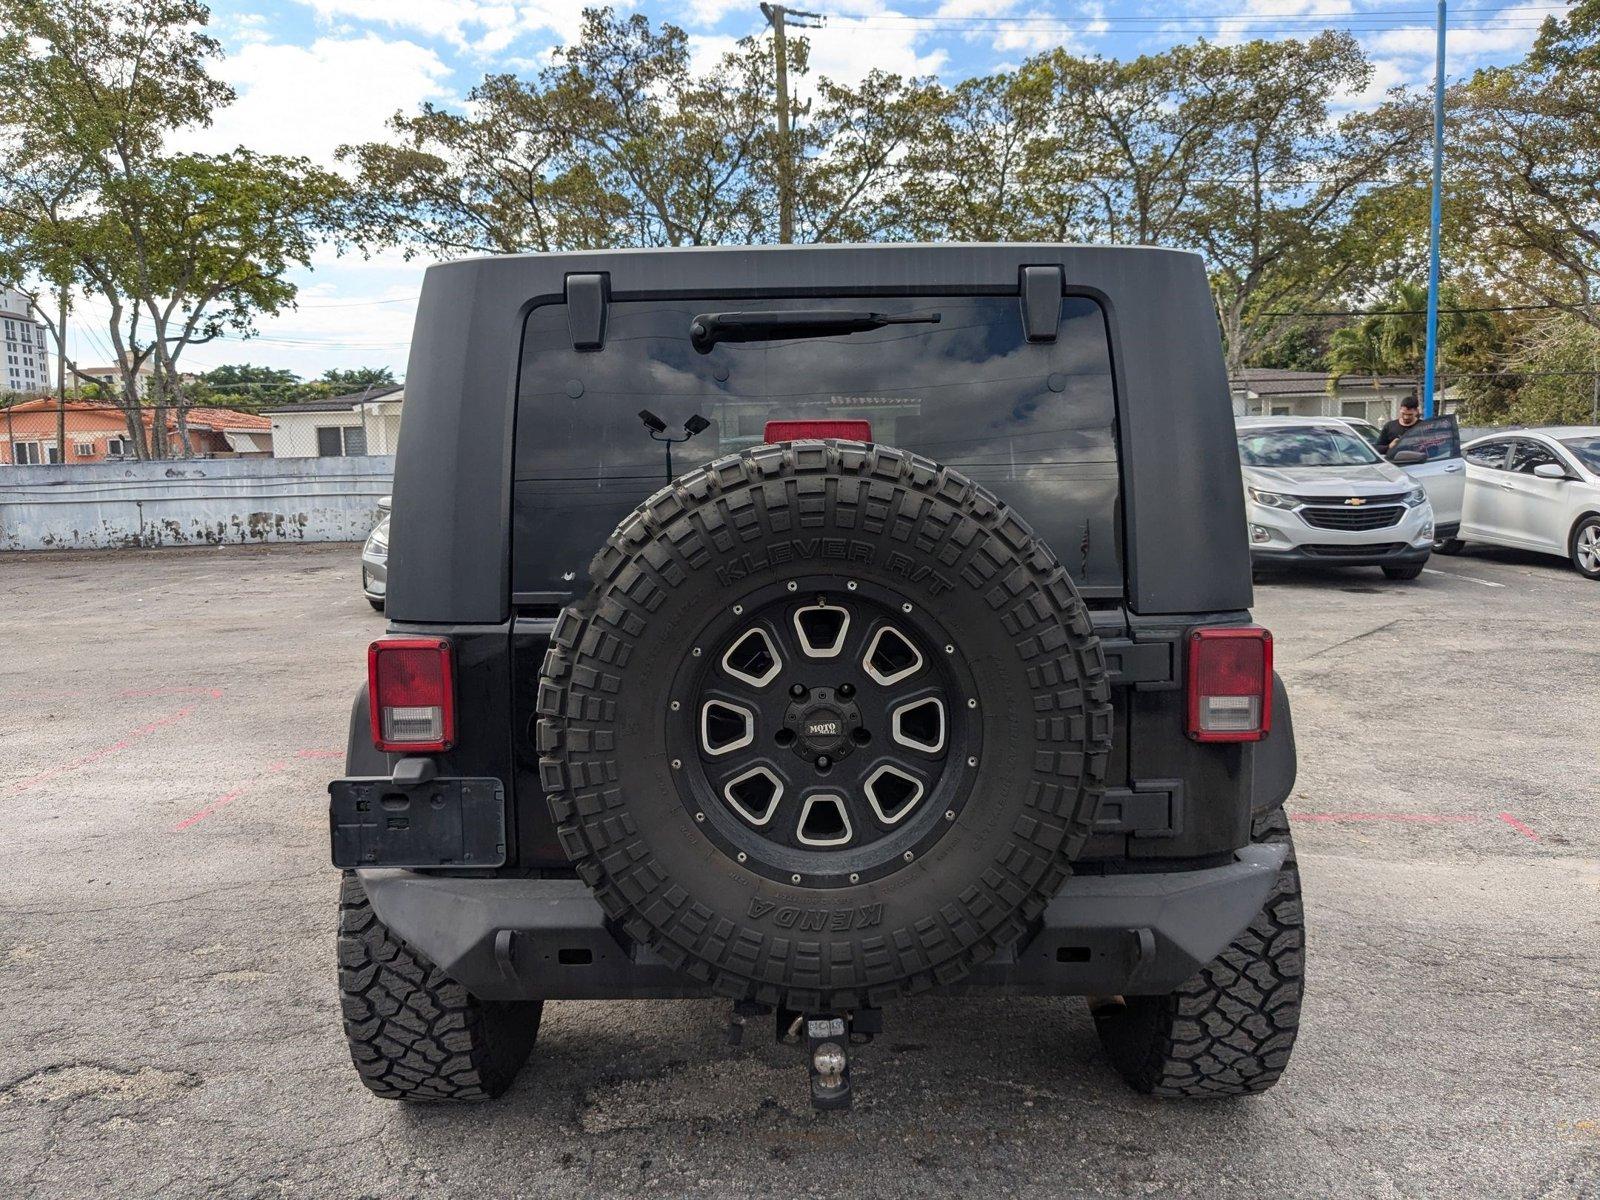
<point>707,329</point>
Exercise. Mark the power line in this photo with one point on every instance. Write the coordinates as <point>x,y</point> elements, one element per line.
<point>1519,14</point>
<point>1420,312</point>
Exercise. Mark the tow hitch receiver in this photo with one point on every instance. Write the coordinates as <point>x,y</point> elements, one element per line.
<point>828,1059</point>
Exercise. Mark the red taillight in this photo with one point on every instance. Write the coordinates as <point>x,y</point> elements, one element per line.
<point>796,431</point>
<point>1230,684</point>
<point>412,693</point>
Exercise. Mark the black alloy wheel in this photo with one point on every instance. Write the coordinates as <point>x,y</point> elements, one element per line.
<point>831,731</point>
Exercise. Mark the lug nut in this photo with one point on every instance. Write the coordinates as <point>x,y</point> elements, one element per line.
<point>823,762</point>
<point>797,690</point>
<point>847,690</point>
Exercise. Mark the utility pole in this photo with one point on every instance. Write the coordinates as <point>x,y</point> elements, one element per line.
<point>1428,378</point>
<point>777,15</point>
<point>61,377</point>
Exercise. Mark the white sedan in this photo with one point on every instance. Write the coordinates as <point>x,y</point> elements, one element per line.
<point>1535,489</point>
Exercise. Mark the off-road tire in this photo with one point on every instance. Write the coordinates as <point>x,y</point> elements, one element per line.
<point>414,1033</point>
<point>1230,1029</point>
<point>729,530</point>
<point>1402,572</point>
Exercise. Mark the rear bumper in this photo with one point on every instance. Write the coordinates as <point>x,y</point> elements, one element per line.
<point>513,939</point>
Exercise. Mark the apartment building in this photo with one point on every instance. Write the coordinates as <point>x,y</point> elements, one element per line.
<point>26,364</point>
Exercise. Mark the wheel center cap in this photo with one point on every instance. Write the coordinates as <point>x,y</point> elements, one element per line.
<point>822,723</point>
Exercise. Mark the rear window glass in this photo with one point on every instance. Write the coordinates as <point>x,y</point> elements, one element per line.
<point>1033,422</point>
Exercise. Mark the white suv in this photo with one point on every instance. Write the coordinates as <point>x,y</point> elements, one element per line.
<point>1317,494</point>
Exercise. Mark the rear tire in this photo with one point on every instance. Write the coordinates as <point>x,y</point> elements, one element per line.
<point>1230,1029</point>
<point>377,605</point>
<point>1402,572</point>
<point>415,1034</point>
<point>1585,547</point>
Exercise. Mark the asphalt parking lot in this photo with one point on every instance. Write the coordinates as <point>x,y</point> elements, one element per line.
<point>170,1023</point>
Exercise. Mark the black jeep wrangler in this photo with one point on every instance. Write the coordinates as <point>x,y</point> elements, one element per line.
<point>812,627</point>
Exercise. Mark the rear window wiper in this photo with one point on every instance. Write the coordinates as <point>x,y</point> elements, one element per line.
<point>707,329</point>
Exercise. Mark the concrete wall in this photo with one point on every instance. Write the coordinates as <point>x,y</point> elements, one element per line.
<point>195,502</point>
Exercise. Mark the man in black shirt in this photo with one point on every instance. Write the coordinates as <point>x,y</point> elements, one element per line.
<point>1410,414</point>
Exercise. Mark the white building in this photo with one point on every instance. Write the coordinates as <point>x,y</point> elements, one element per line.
<point>110,378</point>
<point>1268,392</point>
<point>26,368</point>
<point>364,423</point>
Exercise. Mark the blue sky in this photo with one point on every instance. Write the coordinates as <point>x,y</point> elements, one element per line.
<point>312,74</point>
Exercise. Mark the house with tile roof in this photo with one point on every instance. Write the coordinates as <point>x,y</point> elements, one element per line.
<point>99,433</point>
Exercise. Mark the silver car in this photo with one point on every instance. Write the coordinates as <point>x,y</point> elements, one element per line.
<point>1316,494</point>
<point>375,558</point>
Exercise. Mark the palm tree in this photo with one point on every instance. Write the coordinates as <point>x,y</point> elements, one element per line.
<point>1358,349</point>
<point>1394,340</point>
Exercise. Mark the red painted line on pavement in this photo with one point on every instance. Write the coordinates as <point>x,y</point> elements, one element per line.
<point>115,747</point>
<point>221,801</point>
<point>276,767</point>
<point>1521,828</point>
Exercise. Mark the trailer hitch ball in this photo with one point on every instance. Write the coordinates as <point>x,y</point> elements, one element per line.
<point>829,1061</point>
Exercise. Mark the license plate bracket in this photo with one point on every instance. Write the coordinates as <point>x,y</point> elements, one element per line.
<point>377,822</point>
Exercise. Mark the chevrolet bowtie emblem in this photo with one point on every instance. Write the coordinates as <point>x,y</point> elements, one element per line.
<point>1356,500</point>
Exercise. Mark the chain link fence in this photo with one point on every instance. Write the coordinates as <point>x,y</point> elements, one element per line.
<point>336,429</point>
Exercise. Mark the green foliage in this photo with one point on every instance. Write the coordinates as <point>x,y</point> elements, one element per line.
<point>1546,376</point>
<point>181,248</point>
<point>1393,339</point>
<point>1298,347</point>
<point>358,379</point>
<point>245,386</point>
<point>1526,162</point>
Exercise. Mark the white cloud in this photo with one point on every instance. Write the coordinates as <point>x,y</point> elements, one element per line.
<point>844,49</point>
<point>709,13</point>
<point>1386,73</point>
<point>1510,34</point>
<point>311,99</point>
<point>485,28</point>
<point>847,48</point>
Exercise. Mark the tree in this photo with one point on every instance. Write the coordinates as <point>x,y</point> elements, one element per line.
<point>91,89</point>
<point>359,378</point>
<point>617,142</point>
<point>1359,349</point>
<point>180,248</point>
<point>969,176</point>
<point>245,385</point>
<point>206,243</point>
<point>1527,154</point>
<point>1125,142</point>
<point>1291,208</point>
<point>1392,340</point>
<point>855,156</point>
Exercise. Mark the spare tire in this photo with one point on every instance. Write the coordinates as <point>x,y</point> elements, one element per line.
<point>828,727</point>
